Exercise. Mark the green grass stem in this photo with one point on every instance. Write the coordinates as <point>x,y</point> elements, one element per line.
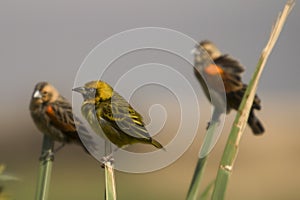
<point>45,169</point>
<point>110,184</point>
<point>238,127</point>
<point>206,147</point>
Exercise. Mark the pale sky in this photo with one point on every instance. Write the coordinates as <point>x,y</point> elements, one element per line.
<point>49,40</point>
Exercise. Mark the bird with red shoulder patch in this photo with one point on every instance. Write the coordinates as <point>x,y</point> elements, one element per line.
<point>52,115</point>
<point>230,70</point>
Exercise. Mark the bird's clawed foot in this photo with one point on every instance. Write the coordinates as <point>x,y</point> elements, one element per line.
<point>107,159</point>
<point>212,123</point>
<point>59,148</point>
<point>47,155</point>
<point>208,124</point>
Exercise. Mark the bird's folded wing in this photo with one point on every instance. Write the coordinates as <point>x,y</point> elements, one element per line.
<point>60,115</point>
<point>232,73</point>
<point>124,118</point>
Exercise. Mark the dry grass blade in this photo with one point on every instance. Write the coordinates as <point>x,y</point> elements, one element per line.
<point>231,149</point>
<point>203,155</point>
<point>110,185</point>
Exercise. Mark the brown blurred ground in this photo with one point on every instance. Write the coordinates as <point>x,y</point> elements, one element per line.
<point>266,167</point>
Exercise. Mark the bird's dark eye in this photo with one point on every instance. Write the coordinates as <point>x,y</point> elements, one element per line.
<point>89,93</point>
<point>44,93</point>
<point>90,90</point>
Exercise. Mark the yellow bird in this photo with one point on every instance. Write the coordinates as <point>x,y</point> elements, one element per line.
<point>108,112</point>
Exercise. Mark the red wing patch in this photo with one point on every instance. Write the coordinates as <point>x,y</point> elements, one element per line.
<point>228,82</point>
<point>57,122</point>
<point>213,70</point>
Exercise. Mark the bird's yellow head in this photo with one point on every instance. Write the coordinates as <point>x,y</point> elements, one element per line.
<point>95,90</point>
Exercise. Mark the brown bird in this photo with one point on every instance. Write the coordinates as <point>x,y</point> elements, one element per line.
<point>230,71</point>
<point>52,114</point>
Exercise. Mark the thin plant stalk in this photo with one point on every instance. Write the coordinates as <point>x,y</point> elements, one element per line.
<point>206,194</point>
<point>238,127</point>
<point>110,188</point>
<point>45,169</point>
<point>110,185</point>
<point>200,167</point>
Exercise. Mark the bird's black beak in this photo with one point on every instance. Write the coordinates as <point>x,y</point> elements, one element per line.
<point>80,90</point>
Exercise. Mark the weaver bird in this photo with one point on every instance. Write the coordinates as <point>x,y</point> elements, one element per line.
<point>111,116</point>
<point>230,71</point>
<point>52,114</point>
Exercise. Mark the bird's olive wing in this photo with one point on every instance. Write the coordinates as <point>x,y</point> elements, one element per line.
<point>123,117</point>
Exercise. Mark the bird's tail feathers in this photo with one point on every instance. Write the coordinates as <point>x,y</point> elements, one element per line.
<point>157,144</point>
<point>255,124</point>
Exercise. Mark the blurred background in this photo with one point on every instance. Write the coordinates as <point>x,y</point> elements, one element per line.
<point>49,41</point>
